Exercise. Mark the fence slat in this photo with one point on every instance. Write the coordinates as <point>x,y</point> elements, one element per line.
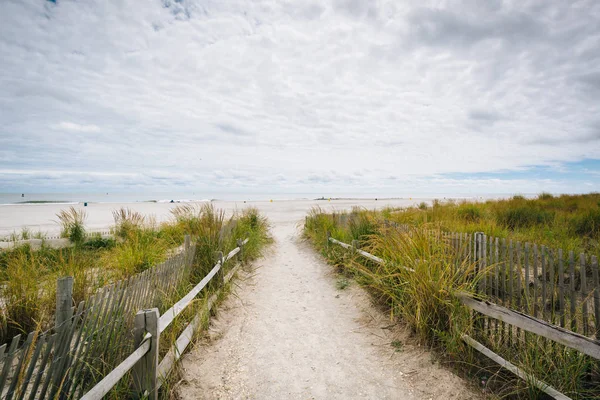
<point>496,277</point>
<point>39,344</point>
<point>584,306</point>
<point>561,288</point>
<point>42,368</point>
<point>8,361</point>
<point>22,356</point>
<point>511,272</point>
<point>572,294</point>
<point>543,282</point>
<point>550,266</point>
<point>596,295</point>
<point>528,305</point>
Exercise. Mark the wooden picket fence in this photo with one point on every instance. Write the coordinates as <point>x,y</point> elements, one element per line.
<point>549,284</point>
<point>529,290</point>
<point>88,340</point>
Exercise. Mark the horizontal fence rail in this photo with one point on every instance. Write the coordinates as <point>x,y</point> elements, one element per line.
<point>475,252</point>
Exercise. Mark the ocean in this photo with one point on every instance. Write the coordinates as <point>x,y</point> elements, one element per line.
<point>164,197</point>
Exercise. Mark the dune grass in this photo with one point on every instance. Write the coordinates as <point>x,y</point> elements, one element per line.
<point>72,223</point>
<point>570,222</point>
<point>28,276</point>
<point>426,298</point>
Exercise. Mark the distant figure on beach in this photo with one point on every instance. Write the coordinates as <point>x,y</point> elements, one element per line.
<point>171,201</point>
<point>22,194</point>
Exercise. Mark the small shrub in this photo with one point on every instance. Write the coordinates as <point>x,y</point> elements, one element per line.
<point>25,233</point>
<point>469,212</point>
<point>72,222</point>
<point>523,216</point>
<point>98,242</point>
<point>23,309</point>
<point>361,224</point>
<point>545,196</point>
<point>422,206</point>
<point>140,251</point>
<point>586,224</point>
<point>127,221</point>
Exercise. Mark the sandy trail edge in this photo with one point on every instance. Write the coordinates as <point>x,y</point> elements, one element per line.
<point>286,332</point>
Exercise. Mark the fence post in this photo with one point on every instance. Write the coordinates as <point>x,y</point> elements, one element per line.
<point>62,325</point>
<point>220,260</point>
<point>64,300</point>
<point>328,235</point>
<point>240,244</point>
<point>186,242</point>
<point>354,246</point>
<point>479,249</point>
<point>145,372</point>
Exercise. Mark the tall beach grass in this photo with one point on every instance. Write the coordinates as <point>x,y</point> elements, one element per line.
<point>421,277</point>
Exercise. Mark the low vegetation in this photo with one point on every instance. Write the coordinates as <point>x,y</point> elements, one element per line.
<point>28,276</point>
<point>421,277</point>
<point>569,222</point>
<point>72,224</point>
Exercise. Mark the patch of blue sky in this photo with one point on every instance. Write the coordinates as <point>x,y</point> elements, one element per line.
<point>584,170</point>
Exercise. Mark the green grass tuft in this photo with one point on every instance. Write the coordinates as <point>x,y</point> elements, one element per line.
<point>72,222</point>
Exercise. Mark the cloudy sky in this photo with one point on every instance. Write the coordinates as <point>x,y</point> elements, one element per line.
<point>349,96</point>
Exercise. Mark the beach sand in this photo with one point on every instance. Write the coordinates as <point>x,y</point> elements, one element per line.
<point>42,217</point>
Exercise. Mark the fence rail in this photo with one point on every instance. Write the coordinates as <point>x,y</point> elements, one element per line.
<point>476,252</point>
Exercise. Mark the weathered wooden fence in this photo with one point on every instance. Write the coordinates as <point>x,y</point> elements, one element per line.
<point>558,287</point>
<point>528,290</point>
<point>148,373</point>
<point>88,340</point>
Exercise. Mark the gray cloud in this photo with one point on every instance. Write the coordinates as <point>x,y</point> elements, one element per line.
<point>460,26</point>
<point>482,115</point>
<point>233,130</point>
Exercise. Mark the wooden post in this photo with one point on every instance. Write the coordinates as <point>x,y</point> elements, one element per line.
<point>596,296</point>
<point>478,254</point>
<point>354,246</point>
<point>64,300</point>
<point>328,234</point>
<point>561,288</point>
<point>240,244</point>
<point>145,372</point>
<point>572,293</point>
<point>186,242</point>
<point>584,306</point>
<point>479,237</point>
<point>220,260</point>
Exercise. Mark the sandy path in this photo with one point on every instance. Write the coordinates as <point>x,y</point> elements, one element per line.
<point>287,333</point>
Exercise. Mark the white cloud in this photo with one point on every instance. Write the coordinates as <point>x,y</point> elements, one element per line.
<point>289,91</point>
<point>73,127</point>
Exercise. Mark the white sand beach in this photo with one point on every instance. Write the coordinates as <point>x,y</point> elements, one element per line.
<point>42,217</point>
